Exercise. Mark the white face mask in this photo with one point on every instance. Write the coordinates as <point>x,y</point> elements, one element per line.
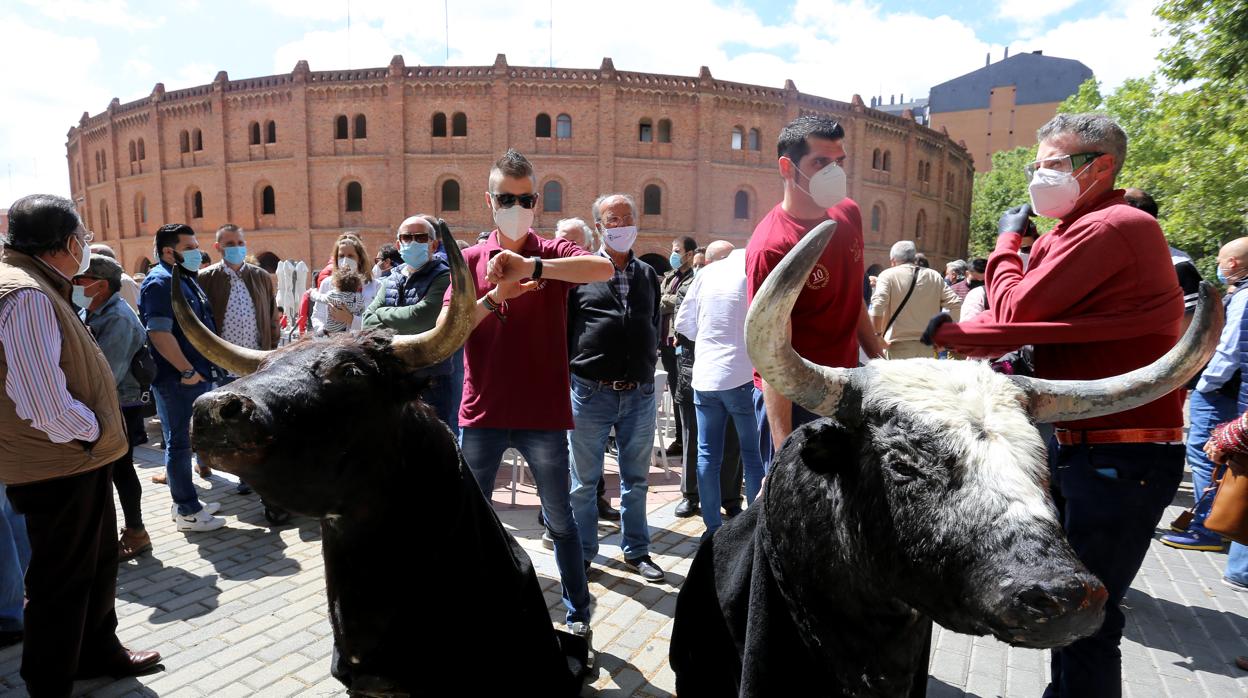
<point>348,263</point>
<point>621,239</point>
<point>1053,194</point>
<point>85,262</point>
<point>827,188</point>
<point>376,271</point>
<point>513,221</point>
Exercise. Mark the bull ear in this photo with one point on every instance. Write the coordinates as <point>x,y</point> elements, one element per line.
<point>825,444</point>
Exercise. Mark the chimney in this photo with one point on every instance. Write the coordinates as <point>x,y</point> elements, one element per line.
<point>902,98</point>
<point>892,99</point>
<point>1007,52</point>
<point>1038,53</point>
<point>987,59</point>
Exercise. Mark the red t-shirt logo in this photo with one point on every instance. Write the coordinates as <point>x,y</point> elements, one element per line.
<point>819,278</point>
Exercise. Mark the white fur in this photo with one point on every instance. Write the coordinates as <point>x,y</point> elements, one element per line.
<point>985,414</point>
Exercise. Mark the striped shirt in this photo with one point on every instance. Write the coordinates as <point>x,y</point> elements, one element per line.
<point>31,341</point>
<point>619,281</point>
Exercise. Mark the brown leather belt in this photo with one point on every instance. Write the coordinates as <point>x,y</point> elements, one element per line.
<point>1067,437</point>
<point>618,385</point>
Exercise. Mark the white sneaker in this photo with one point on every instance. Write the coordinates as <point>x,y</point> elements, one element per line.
<point>209,508</point>
<point>200,521</point>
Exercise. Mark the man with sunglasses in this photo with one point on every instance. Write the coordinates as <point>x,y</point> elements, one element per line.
<point>516,384</point>
<point>410,299</point>
<point>1098,298</point>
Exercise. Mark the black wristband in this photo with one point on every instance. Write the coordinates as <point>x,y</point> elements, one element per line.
<point>537,268</point>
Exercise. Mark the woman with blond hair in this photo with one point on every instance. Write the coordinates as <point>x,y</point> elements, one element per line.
<point>348,254</point>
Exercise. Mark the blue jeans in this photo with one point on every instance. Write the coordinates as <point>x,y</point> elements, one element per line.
<point>173,404</point>
<point>14,559</point>
<point>595,409</point>
<point>714,408</point>
<point>457,389</point>
<point>547,454</point>
<point>1205,412</point>
<point>1109,499</point>
<point>438,395</point>
<point>766,450</point>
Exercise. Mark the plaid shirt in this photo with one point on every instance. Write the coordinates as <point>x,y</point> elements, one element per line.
<point>619,281</point>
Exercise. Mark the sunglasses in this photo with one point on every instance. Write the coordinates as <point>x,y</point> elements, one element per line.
<point>509,200</point>
<point>422,238</point>
<point>1063,163</point>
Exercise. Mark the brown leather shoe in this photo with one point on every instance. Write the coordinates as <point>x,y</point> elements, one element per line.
<point>204,471</point>
<point>130,663</point>
<point>133,543</point>
<point>1242,663</point>
<point>159,478</point>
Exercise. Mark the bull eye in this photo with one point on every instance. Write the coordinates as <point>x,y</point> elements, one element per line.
<point>903,469</point>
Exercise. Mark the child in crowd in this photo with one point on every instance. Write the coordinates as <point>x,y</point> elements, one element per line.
<point>348,294</point>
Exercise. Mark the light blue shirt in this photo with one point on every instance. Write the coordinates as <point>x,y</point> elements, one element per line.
<point>1226,358</point>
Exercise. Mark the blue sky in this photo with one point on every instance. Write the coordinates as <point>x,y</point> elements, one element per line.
<point>63,57</point>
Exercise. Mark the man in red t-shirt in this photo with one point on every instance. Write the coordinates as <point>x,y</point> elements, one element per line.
<point>830,318</point>
<point>1099,298</point>
<point>516,381</point>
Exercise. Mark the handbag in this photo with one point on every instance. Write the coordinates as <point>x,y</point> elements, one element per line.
<point>1229,514</point>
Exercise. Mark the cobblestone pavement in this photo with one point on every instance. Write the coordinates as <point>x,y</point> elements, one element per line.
<point>241,611</point>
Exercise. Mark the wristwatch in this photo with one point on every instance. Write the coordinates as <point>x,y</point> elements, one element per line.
<point>188,374</point>
<point>537,268</point>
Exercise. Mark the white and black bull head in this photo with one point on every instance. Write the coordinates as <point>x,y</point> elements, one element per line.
<point>296,422</point>
<point>929,480</point>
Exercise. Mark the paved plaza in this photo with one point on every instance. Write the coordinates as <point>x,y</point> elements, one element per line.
<point>241,611</point>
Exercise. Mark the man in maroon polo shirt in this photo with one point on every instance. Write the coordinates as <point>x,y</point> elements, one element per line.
<point>516,384</point>
<point>830,317</point>
<point>1098,298</point>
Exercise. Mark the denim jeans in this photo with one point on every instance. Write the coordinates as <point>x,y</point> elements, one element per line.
<point>438,395</point>
<point>766,450</point>
<point>1109,499</point>
<point>595,409</point>
<point>547,454</point>
<point>1205,412</point>
<point>715,407</point>
<point>14,559</point>
<point>173,404</point>
<point>457,389</point>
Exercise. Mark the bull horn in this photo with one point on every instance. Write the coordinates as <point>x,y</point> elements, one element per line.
<point>1069,400</point>
<point>817,388</point>
<point>237,360</point>
<point>435,345</point>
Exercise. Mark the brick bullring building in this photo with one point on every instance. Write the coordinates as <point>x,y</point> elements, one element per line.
<point>298,158</point>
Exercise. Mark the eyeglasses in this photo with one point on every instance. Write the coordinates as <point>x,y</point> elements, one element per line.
<point>88,236</point>
<point>509,200</point>
<point>422,238</point>
<point>616,221</point>
<point>1064,163</point>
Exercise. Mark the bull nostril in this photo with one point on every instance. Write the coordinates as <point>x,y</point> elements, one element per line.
<point>232,407</point>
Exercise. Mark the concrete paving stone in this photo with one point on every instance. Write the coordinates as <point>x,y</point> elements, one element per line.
<point>176,678</point>
<point>275,671</point>
<point>232,672</point>
<point>949,666</point>
<point>649,657</point>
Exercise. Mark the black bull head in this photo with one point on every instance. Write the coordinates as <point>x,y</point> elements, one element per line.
<point>322,403</point>
<point>931,475</point>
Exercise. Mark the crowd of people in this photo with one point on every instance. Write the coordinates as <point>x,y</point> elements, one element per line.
<point>569,333</point>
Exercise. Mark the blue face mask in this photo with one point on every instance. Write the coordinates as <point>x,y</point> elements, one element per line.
<point>234,255</point>
<point>80,298</point>
<point>192,260</point>
<point>414,254</point>
<point>674,260</point>
<point>1222,277</point>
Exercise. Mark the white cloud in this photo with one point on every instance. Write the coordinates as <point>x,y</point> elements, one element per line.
<point>112,13</point>
<point>1031,11</point>
<point>41,111</point>
<point>1131,53</point>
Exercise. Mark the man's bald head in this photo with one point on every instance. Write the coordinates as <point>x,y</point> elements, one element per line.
<point>718,250</point>
<point>1233,260</point>
<point>416,224</point>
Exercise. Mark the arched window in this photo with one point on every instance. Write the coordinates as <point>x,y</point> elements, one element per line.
<point>197,140</point>
<point>920,170</point>
<point>134,152</point>
<point>355,197</point>
<point>741,205</point>
<point>563,126</point>
<point>268,202</point>
<point>450,195</point>
<point>927,171</point>
<point>645,132</point>
<point>541,127</point>
<point>737,138</point>
<point>459,124</point>
<point>361,126</point>
<point>665,130</point>
<point>439,125</point>
<point>197,204</point>
<point>652,200</point>
<point>142,150</point>
<point>875,159</point>
<point>270,135</point>
<point>877,216</point>
<point>340,128</point>
<point>255,133</point>
<point>920,225</point>
<point>888,161</point>
<point>755,140</point>
<point>184,145</point>
<point>552,196</point>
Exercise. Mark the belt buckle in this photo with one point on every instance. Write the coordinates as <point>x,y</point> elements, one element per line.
<point>619,385</point>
